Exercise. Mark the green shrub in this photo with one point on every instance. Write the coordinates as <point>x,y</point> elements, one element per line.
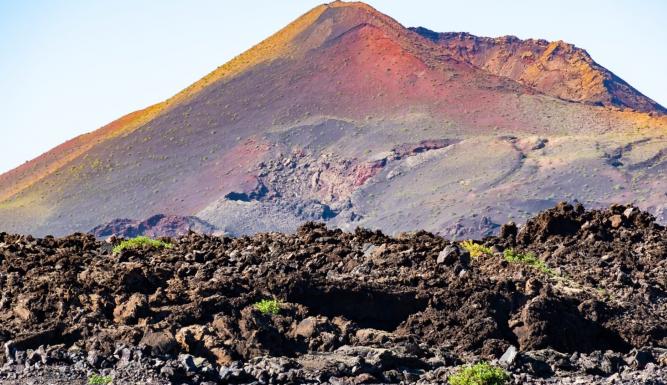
<point>481,373</point>
<point>96,379</point>
<point>140,242</point>
<point>268,306</point>
<point>529,259</point>
<point>475,249</point>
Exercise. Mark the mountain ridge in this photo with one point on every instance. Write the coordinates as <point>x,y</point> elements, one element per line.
<point>498,56</point>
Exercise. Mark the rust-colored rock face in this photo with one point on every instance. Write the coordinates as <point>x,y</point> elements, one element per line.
<point>555,68</point>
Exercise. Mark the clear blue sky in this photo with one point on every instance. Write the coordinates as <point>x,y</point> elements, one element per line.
<point>69,67</point>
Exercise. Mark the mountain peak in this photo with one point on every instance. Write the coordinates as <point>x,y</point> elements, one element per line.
<point>350,4</point>
<point>345,115</point>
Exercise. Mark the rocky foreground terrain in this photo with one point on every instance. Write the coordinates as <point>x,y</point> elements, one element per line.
<point>353,308</point>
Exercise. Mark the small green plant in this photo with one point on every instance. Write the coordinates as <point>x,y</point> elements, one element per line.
<point>481,373</point>
<point>529,259</point>
<point>475,249</point>
<point>97,379</point>
<point>140,242</point>
<point>268,306</point>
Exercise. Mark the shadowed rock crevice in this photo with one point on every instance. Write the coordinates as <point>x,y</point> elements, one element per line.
<point>256,194</point>
<point>560,324</point>
<point>369,307</point>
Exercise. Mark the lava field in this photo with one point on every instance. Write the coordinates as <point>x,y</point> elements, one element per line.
<point>573,296</point>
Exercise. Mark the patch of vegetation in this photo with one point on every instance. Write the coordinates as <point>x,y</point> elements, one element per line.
<point>140,242</point>
<point>529,259</point>
<point>481,373</point>
<point>97,379</point>
<point>268,306</point>
<point>475,249</point>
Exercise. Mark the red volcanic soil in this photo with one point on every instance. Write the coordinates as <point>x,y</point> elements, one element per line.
<point>371,72</point>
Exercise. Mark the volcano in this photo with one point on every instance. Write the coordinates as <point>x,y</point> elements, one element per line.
<point>348,117</point>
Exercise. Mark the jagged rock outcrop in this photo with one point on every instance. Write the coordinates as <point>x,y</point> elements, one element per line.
<point>158,225</point>
<point>556,68</point>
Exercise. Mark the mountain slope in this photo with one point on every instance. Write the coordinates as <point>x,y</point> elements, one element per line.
<point>349,117</point>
